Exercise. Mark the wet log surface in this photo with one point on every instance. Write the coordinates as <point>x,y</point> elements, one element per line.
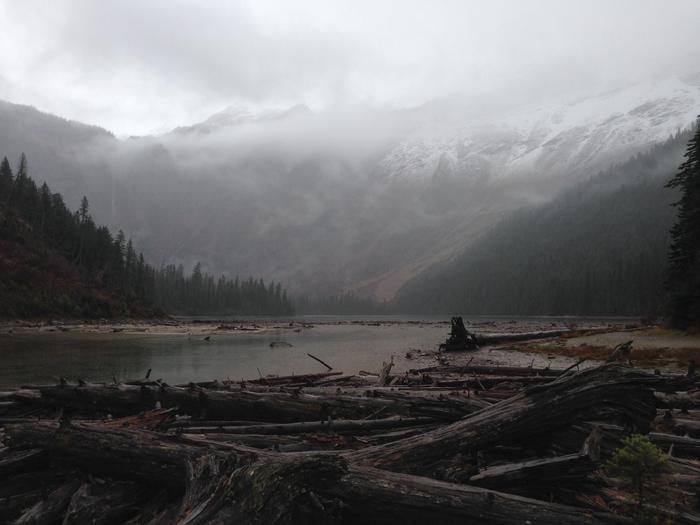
<point>471,444</point>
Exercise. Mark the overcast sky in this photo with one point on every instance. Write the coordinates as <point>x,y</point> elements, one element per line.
<point>139,66</point>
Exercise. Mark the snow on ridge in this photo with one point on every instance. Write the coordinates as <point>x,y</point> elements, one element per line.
<point>559,136</point>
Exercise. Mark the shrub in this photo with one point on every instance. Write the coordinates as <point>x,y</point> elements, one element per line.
<point>642,469</point>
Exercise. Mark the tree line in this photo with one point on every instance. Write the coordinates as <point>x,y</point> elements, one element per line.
<point>111,262</point>
<point>600,248</point>
<point>683,282</point>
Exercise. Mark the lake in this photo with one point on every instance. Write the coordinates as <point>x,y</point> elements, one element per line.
<point>41,357</point>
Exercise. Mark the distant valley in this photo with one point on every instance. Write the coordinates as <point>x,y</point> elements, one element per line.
<point>362,202</point>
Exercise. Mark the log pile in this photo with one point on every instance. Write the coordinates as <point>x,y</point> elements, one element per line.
<point>473,444</point>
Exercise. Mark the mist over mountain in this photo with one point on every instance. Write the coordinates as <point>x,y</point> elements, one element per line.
<point>598,248</point>
<point>355,200</point>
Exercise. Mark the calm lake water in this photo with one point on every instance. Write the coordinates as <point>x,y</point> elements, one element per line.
<point>44,357</point>
<point>37,357</point>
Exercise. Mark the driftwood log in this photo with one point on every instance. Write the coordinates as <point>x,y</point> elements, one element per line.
<point>277,453</point>
<point>611,393</point>
<point>235,484</point>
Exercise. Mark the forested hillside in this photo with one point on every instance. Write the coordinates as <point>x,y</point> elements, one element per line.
<point>58,263</point>
<point>598,249</point>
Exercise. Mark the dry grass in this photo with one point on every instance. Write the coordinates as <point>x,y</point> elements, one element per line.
<point>646,357</point>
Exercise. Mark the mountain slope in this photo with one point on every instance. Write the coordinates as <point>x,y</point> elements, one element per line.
<point>359,201</point>
<point>38,281</point>
<point>597,249</point>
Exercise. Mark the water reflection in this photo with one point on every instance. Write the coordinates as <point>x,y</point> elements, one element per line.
<point>44,357</point>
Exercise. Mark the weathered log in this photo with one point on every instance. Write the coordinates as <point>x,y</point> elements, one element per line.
<point>159,510</point>
<point>270,381</point>
<point>21,491</point>
<point>51,509</point>
<point>387,498</point>
<point>609,393</point>
<point>383,378</point>
<point>150,419</point>
<point>683,401</point>
<point>107,503</point>
<point>460,338</point>
<point>485,382</point>
<point>493,339</point>
<point>528,477</point>
<point>680,426</point>
<point>263,441</point>
<point>140,455</point>
<point>612,436</point>
<point>682,446</point>
<point>14,462</point>
<point>253,406</point>
<point>338,425</point>
<point>254,488</point>
<point>489,370</point>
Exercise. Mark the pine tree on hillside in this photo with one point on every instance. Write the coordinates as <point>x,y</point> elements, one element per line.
<point>6,180</point>
<point>684,256</point>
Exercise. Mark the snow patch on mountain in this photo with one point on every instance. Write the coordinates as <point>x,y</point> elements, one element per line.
<point>565,135</point>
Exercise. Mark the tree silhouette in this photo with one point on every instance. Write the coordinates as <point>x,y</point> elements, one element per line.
<point>684,256</point>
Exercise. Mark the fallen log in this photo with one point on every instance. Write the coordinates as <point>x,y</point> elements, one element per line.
<point>682,401</point>
<point>493,339</point>
<point>529,477</point>
<point>253,406</point>
<point>51,509</point>
<point>338,425</point>
<point>17,461</point>
<point>106,503</point>
<point>232,484</point>
<point>680,445</point>
<point>489,370</point>
<point>21,491</point>
<point>270,380</point>
<point>610,393</point>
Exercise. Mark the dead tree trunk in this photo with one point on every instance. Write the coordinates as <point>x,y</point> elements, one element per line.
<point>252,406</point>
<point>610,393</point>
<point>233,485</point>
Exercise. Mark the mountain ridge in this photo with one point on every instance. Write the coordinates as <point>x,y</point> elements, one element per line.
<point>302,200</point>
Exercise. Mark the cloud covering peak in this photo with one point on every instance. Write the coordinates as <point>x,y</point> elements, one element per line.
<point>138,67</point>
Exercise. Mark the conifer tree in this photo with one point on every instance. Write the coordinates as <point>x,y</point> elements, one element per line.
<point>684,256</point>
<point>6,180</point>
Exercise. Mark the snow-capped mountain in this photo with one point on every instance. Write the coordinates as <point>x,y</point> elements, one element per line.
<point>237,115</point>
<point>565,136</point>
<point>361,200</point>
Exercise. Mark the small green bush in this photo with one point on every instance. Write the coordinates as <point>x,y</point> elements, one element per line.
<point>643,470</point>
